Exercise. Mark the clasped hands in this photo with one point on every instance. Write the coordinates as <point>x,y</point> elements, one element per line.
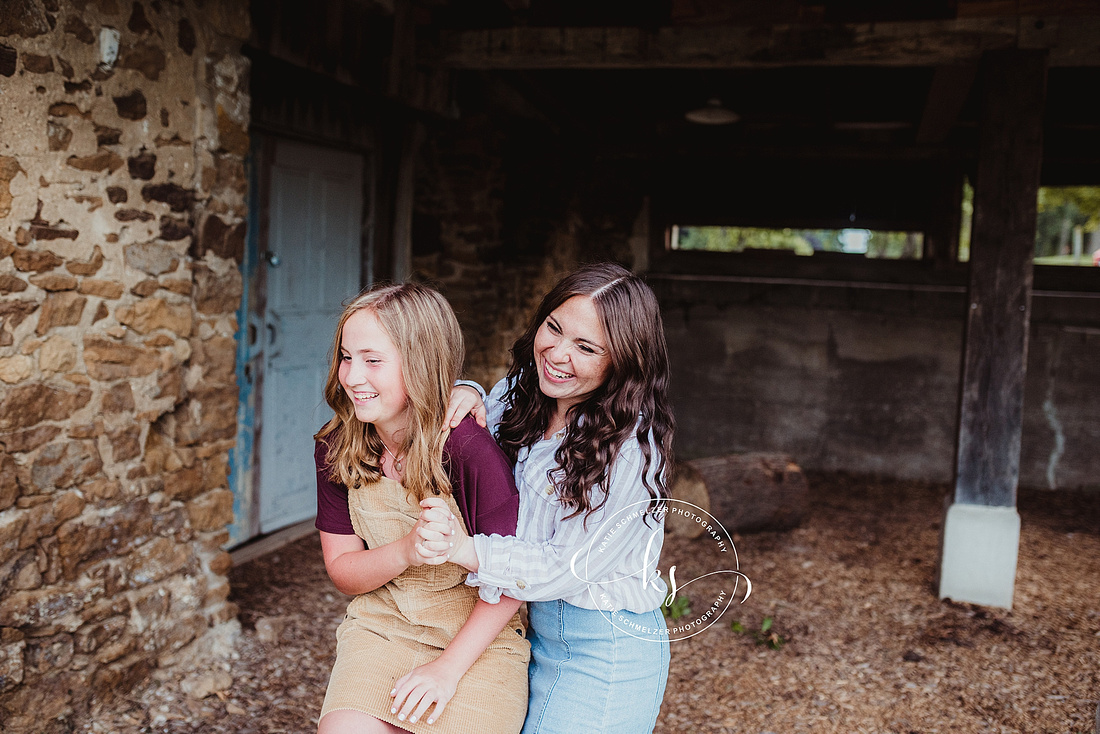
<point>440,536</point>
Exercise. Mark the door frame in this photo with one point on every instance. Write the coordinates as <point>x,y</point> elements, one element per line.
<point>245,465</point>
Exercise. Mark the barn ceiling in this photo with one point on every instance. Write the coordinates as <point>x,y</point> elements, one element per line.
<point>847,79</point>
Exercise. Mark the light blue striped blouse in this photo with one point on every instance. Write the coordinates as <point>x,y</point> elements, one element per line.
<point>607,561</point>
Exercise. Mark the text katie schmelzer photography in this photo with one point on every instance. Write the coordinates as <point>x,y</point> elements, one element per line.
<point>646,518</point>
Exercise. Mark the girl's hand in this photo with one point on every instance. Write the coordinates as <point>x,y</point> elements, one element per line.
<point>429,542</point>
<point>465,401</point>
<point>420,688</point>
<point>460,547</point>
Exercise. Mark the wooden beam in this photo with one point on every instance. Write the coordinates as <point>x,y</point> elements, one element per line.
<point>946,96</point>
<point>1002,249</point>
<point>1070,41</point>
<point>404,199</point>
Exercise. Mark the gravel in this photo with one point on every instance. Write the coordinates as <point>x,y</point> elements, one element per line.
<point>858,640</point>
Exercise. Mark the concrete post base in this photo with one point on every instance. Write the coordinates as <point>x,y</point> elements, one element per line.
<point>980,546</point>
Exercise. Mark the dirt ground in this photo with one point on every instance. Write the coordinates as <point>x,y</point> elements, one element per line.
<point>866,645</point>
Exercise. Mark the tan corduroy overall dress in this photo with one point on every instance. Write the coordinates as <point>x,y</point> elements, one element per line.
<point>408,621</point>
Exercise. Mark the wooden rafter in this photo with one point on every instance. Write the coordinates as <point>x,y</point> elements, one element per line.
<point>1070,41</point>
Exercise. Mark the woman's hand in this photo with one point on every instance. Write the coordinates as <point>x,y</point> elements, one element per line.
<point>465,401</point>
<point>460,546</point>
<point>429,542</point>
<point>414,692</point>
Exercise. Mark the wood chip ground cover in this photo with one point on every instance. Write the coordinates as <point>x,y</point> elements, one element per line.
<point>868,646</point>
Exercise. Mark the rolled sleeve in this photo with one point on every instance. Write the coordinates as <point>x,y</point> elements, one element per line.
<point>579,561</point>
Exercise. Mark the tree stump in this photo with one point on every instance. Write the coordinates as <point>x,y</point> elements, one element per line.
<point>744,492</point>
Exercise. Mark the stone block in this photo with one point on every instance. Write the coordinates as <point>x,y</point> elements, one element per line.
<point>36,64</point>
<point>156,313</point>
<point>57,354</point>
<point>134,215</point>
<point>158,559</point>
<point>45,655</point>
<point>131,106</point>
<point>12,314</point>
<point>29,404</point>
<point>21,573</point>
<point>211,511</point>
<point>85,540</point>
<point>145,58</point>
<point>221,563</point>
<point>92,637</point>
<point>16,369</point>
<point>185,484</point>
<point>29,439</point>
<point>45,518</point>
<point>11,284</point>
<point>46,610</point>
<point>87,267</point>
<point>142,166</point>
<point>218,357</point>
<point>101,489</point>
<point>232,135</point>
<point>58,136</point>
<point>217,294</point>
<point>224,240</point>
<point>54,282</point>
<point>175,196</point>
<point>173,229</point>
<point>108,289</point>
<point>125,443</point>
<point>9,482</point>
<point>60,309</point>
<point>172,522</point>
<point>109,360</point>
<point>104,160</point>
<point>76,27</point>
<point>11,660</point>
<point>210,414</point>
<point>151,258</point>
<point>122,674</point>
<point>146,288</point>
<point>118,399</point>
<point>61,465</point>
<point>35,261</point>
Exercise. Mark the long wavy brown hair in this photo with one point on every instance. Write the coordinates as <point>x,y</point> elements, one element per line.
<point>633,401</point>
<point>424,329</point>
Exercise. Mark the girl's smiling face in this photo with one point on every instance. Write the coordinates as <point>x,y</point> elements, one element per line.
<point>572,353</point>
<point>370,373</point>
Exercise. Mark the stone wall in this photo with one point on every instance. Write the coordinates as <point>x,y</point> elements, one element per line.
<point>503,211</point>
<point>122,208</point>
<point>866,380</point>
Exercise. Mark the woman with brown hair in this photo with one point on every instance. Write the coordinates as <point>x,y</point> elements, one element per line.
<point>414,629</point>
<point>583,414</point>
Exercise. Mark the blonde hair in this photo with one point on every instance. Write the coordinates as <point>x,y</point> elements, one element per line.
<point>424,329</point>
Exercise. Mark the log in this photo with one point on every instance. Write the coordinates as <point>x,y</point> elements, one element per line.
<point>744,492</point>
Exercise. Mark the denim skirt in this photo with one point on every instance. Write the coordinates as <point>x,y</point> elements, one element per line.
<point>593,670</point>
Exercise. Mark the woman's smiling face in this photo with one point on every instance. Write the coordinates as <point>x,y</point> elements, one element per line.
<point>370,373</point>
<point>572,354</point>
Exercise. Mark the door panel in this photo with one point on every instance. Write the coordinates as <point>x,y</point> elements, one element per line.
<point>312,267</point>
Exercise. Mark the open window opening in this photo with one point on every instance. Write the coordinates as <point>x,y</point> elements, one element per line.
<point>875,244</point>
<point>1067,228</point>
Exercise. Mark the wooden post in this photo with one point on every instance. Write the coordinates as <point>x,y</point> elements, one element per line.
<point>981,533</point>
<point>405,198</point>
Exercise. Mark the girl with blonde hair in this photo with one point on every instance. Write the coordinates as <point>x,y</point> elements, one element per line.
<point>414,629</point>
